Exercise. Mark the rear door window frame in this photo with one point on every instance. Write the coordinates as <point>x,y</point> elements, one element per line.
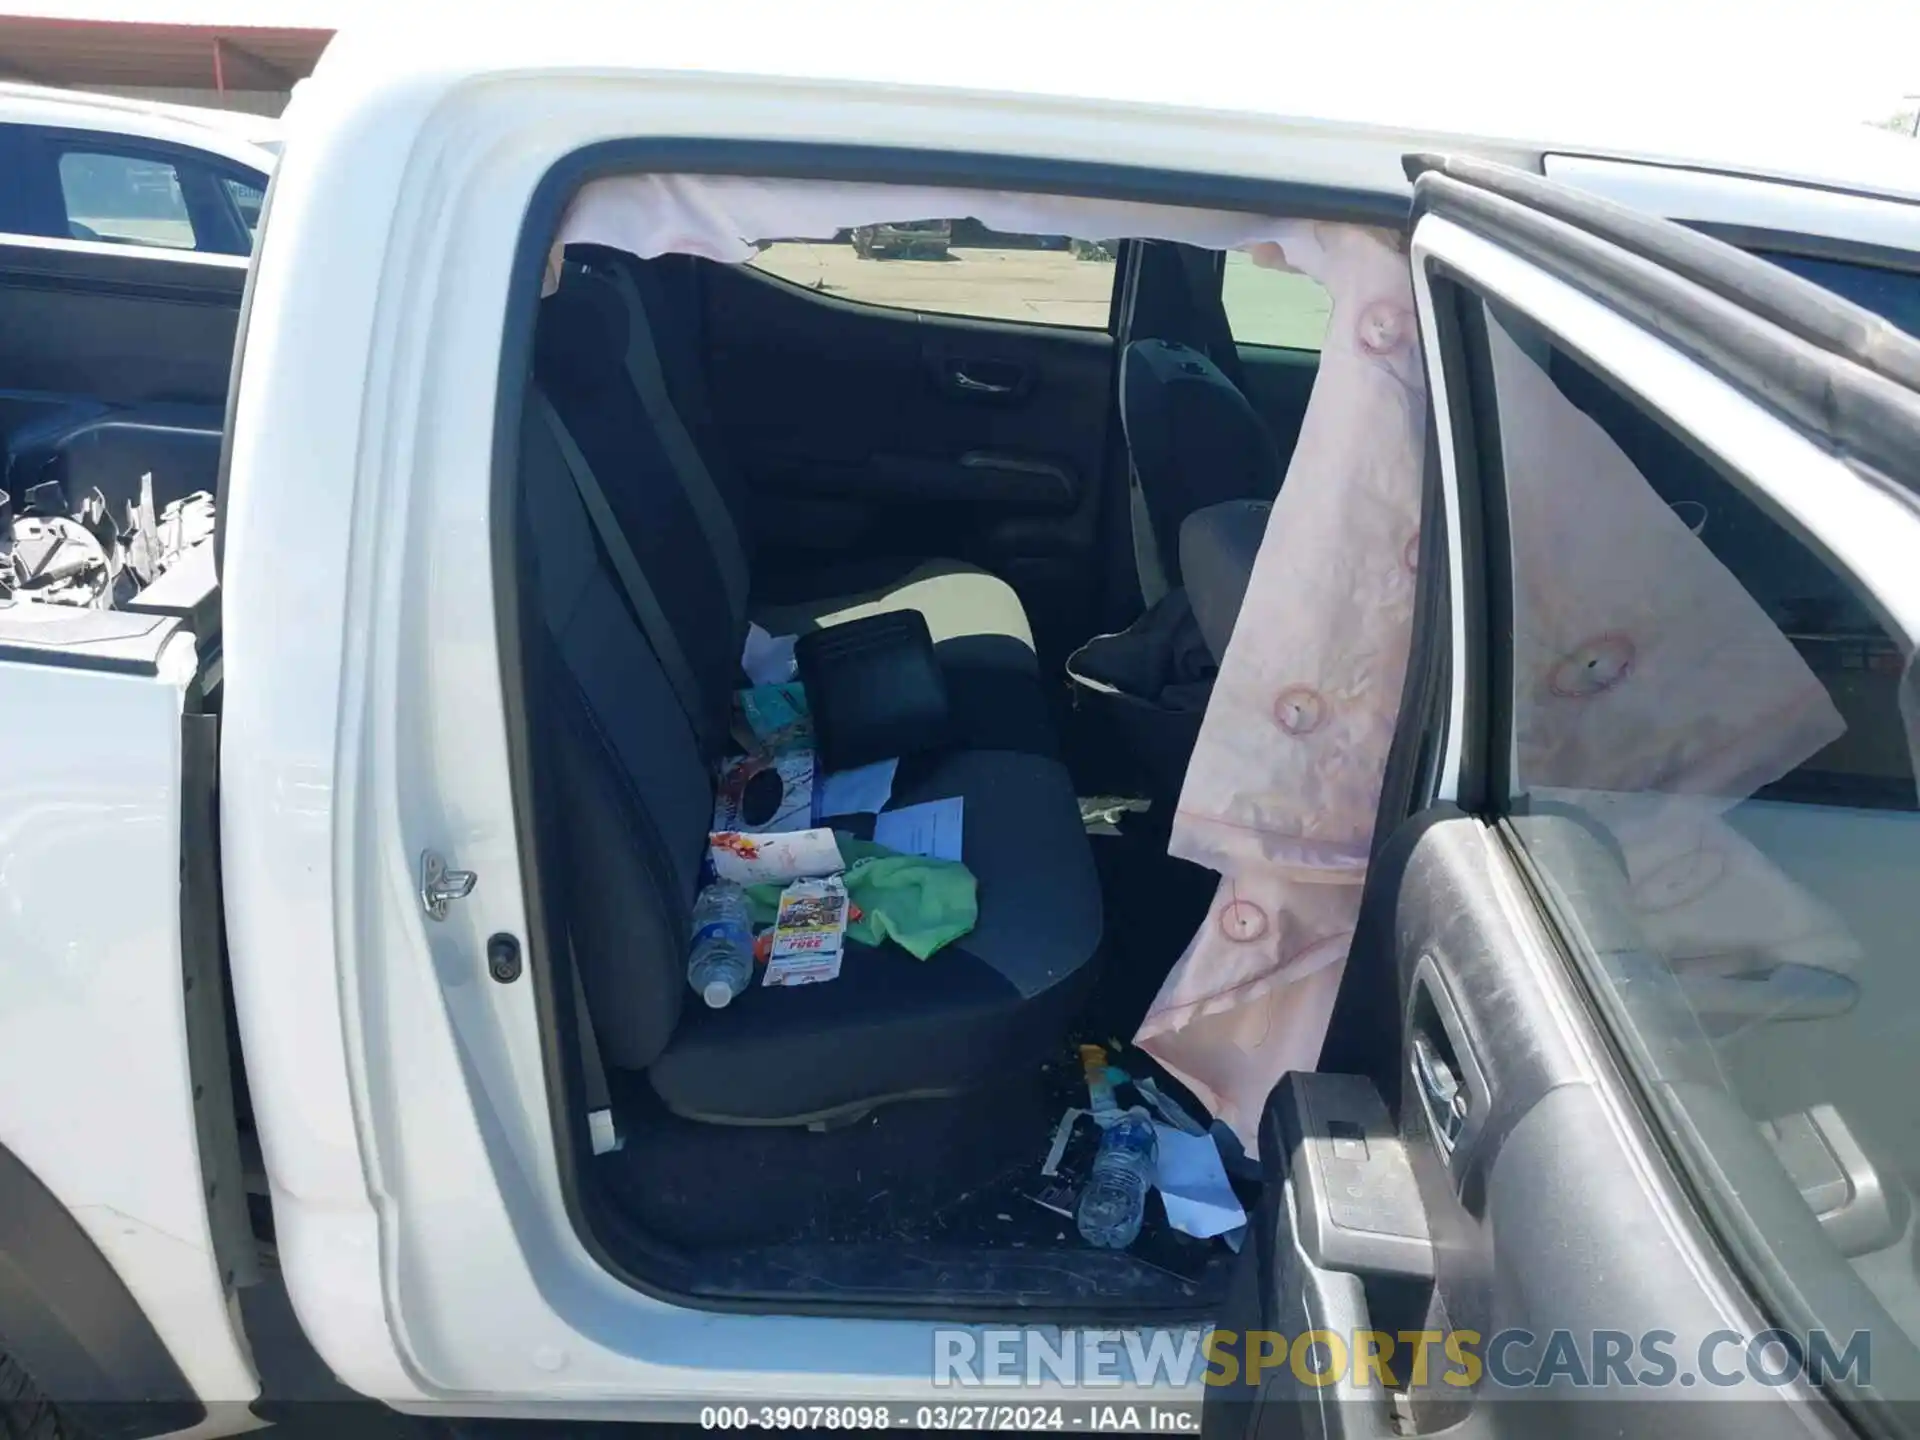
<point>1839,517</point>
<point>216,223</point>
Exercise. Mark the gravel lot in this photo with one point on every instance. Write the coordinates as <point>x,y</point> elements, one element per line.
<point>1045,287</point>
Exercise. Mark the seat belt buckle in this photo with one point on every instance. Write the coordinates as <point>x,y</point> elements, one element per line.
<point>604,1134</point>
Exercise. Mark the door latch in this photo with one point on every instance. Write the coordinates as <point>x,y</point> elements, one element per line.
<point>440,886</point>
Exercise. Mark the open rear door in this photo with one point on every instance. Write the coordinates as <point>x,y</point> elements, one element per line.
<point>1616,1108</point>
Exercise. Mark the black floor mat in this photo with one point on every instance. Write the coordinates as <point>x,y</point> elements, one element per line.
<point>953,1174</point>
<point>1154,903</point>
<point>908,1172</point>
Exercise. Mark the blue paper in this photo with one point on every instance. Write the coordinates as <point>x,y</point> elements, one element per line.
<point>932,829</point>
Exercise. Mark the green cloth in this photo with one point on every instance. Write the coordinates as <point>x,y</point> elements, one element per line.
<point>919,903</point>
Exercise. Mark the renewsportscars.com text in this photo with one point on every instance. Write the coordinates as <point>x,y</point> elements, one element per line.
<point>1514,1359</point>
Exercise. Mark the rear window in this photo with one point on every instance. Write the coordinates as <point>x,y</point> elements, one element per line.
<point>128,198</point>
<point>1894,294</point>
<point>1280,309</point>
<point>955,267</point>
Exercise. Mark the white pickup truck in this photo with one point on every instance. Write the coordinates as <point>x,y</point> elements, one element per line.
<point>348,851</point>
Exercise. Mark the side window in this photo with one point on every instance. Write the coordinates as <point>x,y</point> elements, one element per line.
<point>1277,308</point>
<point>246,199</point>
<point>132,199</point>
<point>955,267</point>
<point>1719,704</point>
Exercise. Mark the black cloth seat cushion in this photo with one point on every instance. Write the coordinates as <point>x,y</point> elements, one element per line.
<point>991,1001</point>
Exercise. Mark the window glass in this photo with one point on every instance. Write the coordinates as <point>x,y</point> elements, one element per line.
<point>1273,307</point>
<point>130,198</point>
<point>1719,705</point>
<point>955,267</point>
<point>247,199</point>
<point>1894,294</point>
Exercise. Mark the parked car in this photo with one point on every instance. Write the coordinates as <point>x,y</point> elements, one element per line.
<point>906,240</point>
<point>411,760</point>
<point>129,172</point>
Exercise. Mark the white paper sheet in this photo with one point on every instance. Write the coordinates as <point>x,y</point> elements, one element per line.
<point>757,859</point>
<point>863,790</point>
<point>1062,1133</point>
<point>1193,1184</point>
<point>932,829</point>
<point>1168,1107</point>
<point>767,659</point>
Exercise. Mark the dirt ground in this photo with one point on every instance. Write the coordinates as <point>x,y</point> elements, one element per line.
<point>1045,287</point>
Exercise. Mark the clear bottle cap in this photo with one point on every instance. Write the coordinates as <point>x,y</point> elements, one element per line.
<point>718,994</point>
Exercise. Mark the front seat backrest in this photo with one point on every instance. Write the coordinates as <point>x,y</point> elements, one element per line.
<point>1192,441</point>
<point>1218,545</point>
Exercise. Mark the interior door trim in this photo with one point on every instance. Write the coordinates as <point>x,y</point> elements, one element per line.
<point>1855,522</point>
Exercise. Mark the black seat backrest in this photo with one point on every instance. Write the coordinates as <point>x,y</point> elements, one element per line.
<point>1192,438</point>
<point>621,775</point>
<point>1218,545</point>
<point>580,362</point>
<point>623,767</point>
<point>670,287</point>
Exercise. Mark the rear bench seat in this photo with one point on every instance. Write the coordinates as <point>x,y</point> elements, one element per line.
<point>978,625</point>
<point>626,758</point>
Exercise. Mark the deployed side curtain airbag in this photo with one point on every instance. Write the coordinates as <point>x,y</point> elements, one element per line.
<point>721,217</point>
<point>1651,691</point>
<point>1281,791</point>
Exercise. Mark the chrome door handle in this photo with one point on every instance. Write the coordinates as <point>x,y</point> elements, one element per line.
<point>966,382</point>
<point>1441,1091</point>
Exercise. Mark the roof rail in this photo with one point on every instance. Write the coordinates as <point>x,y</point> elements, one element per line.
<point>1835,371</point>
<point>1795,304</point>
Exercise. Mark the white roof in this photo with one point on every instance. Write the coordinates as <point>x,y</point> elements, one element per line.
<point>240,138</point>
<point>1373,71</point>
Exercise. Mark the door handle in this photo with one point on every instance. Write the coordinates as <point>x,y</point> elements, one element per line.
<point>982,379</point>
<point>1447,1077</point>
<point>1788,991</point>
<point>1445,1097</point>
<point>963,381</point>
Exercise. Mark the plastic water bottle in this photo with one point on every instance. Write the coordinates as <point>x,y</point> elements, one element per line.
<point>1115,1198</point>
<point>721,962</point>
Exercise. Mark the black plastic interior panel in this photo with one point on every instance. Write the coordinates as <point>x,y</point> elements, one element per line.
<point>1356,1204</point>
<point>870,431</point>
<point>126,329</point>
<point>85,447</point>
<point>1339,1244</point>
<point>113,366</point>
